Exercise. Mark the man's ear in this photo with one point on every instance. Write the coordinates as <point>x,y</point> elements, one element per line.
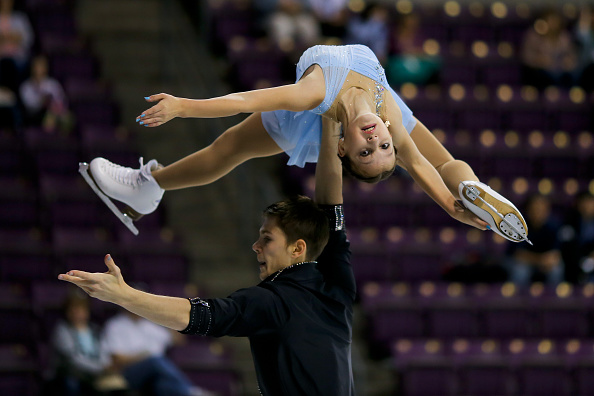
<point>341,150</point>
<point>299,249</point>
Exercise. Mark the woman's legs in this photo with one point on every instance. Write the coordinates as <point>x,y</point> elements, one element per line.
<point>236,145</point>
<point>451,170</point>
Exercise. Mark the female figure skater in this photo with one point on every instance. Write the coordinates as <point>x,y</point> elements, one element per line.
<point>346,84</point>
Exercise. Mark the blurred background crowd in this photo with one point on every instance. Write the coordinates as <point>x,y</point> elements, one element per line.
<point>443,309</point>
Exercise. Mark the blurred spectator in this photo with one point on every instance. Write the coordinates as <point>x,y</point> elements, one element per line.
<point>16,38</point>
<point>137,349</point>
<point>292,24</point>
<point>44,99</point>
<point>542,260</point>
<point>333,16</point>
<point>77,358</point>
<point>370,28</point>
<point>585,36</point>
<point>409,62</point>
<point>548,54</point>
<point>577,235</point>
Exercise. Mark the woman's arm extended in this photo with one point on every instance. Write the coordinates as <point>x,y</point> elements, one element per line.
<point>305,94</point>
<point>422,171</point>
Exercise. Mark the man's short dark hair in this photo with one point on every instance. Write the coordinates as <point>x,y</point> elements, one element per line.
<point>350,170</point>
<point>300,218</point>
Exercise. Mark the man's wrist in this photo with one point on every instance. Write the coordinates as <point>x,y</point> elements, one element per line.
<point>335,214</point>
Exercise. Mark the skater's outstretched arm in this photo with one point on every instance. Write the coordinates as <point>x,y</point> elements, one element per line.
<point>171,312</point>
<point>305,94</point>
<point>423,172</point>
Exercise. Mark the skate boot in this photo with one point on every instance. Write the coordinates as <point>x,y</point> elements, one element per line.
<point>134,187</point>
<point>501,215</point>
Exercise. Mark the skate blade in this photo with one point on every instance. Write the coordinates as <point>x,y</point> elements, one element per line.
<point>83,169</point>
<point>506,217</point>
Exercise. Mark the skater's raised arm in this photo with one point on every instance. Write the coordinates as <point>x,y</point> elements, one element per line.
<point>306,94</point>
<point>329,170</point>
<point>171,312</point>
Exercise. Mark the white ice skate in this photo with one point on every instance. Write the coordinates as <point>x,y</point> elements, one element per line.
<point>136,188</point>
<point>503,217</point>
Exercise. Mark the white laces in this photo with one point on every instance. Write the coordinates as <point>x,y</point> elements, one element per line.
<point>125,175</point>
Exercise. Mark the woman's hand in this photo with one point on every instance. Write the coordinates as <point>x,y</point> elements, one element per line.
<point>166,108</point>
<point>465,216</point>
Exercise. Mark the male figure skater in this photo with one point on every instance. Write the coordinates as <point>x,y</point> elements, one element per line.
<point>299,318</point>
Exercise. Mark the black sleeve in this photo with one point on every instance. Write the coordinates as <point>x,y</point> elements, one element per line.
<point>245,312</point>
<point>335,261</point>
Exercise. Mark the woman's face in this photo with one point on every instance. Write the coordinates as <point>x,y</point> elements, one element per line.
<point>368,144</point>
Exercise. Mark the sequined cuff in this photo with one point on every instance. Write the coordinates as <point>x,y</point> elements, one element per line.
<point>200,317</point>
<point>335,215</point>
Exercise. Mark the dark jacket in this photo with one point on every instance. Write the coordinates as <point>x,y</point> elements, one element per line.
<point>299,324</point>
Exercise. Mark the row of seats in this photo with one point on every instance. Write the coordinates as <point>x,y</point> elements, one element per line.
<point>488,367</point>
<point>51,221</point>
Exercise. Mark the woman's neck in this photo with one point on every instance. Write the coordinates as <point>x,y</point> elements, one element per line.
<point>354,102</point>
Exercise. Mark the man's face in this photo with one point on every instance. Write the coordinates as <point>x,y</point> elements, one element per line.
<point>271,248</point>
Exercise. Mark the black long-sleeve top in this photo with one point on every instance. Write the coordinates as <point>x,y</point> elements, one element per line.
<point>299,323</point>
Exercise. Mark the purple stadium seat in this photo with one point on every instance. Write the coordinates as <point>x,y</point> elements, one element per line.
<point>25,268</point>
<point>23,241</point>
<point>81,65</point>
<point>19,212</point>
<point>224,382</point>
<point>375,295</point>
<point>20,382</point>
<point>370,266</point>
<point>254,62</point>
<point>407,351</point>
<point>507,322</point>
<point>429,379</point>
<point>410,266</point>
<point>482,368</point>
<point>14,295</point>
<point>497,74</point>
<point>452,322</point>
<point>150,240</point>
<point>72,187</point>
<point>390,324</point>
<point>19,325</point>
<point>162,267</point>
<point>544,379</point>
<point>65,213</point>
<point>93,112</point>
<point>80,89</point>
<point>584,376</point>
<point>201,353</point>
<point>82,240</point>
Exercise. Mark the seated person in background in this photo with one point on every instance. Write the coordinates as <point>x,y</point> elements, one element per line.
<point>137,349</point>
<point>44,99</point>
<point>543,258</point>
<point>577,235</point>
<point>293,25</point>
<point>77,358</point>
<point>408,60</point>
<point>548,54</point>
<point>584,34</point>
<point>16,39</point>
<point>370,28</point>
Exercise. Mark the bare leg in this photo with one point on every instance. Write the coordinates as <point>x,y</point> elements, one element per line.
<point>451,170</point>
<point>244,141</point>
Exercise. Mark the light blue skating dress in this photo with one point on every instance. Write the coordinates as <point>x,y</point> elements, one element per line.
<point>299,133</point>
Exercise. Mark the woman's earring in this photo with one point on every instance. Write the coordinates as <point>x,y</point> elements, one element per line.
<point>387,123</point>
